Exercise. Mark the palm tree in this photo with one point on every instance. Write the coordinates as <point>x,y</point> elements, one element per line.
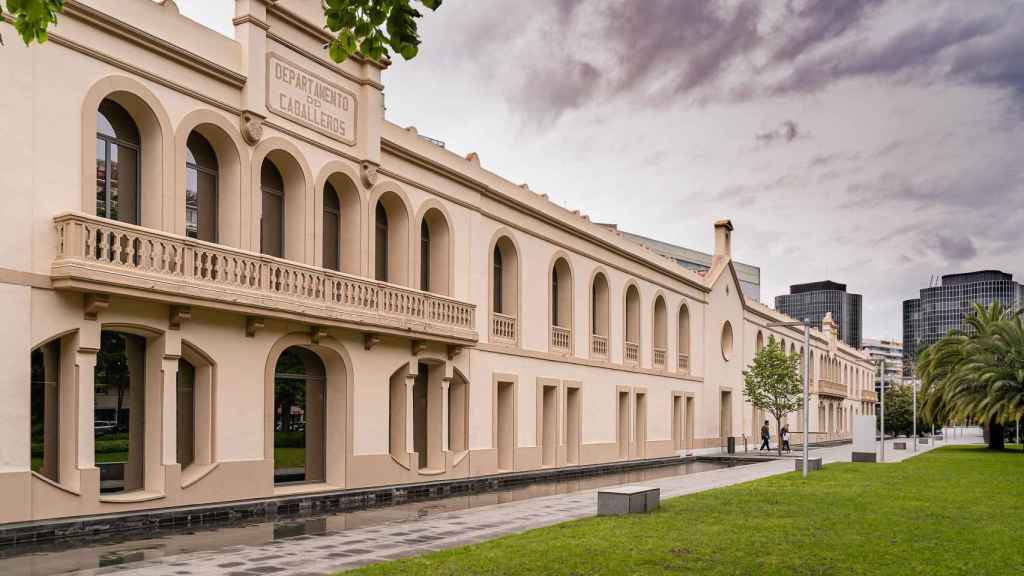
<point>977,373</point>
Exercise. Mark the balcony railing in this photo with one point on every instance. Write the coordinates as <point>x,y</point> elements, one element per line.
<point>683,363</point>
<point>659,357</point>
<point>503,327</point>
<point>99,254</point>
<point>561,339</point>
<point>599,345</point>
<point>831,387</point>
<point>632,353</point>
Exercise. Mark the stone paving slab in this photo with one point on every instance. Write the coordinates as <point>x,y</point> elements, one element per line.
<point>337,551</point>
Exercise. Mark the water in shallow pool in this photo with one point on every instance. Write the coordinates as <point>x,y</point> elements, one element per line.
<point>71,556</point>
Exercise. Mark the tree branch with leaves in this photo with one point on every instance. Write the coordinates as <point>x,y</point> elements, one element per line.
<point>32,17</point>
<point>772,383</point>
<point>373,28</point>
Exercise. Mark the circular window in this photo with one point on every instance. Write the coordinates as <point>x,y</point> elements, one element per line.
<point>727,340</point>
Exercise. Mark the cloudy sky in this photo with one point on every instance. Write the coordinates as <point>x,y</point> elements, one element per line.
<point>871,142</point>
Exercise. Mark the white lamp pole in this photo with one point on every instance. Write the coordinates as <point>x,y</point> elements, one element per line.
<point>806,377</point>
<point>882,365</point>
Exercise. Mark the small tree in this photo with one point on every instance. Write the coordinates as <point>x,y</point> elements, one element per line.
<point>772,383</point>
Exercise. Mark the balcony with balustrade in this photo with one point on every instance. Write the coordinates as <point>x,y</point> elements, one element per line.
<point>504,328</point>
<point>97,255</point>
<point>561,339</point>
<point>631,353</point>
<point>831,387</point>
<point>658,357</point>
<point>598,346</point>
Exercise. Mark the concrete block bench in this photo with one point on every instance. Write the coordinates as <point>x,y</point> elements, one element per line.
<point>899,445</point>
<point>812,464</point>
<point>627,500</point>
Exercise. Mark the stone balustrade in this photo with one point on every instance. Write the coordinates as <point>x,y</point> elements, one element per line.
<point>561,339</point>
<point>99,255</point>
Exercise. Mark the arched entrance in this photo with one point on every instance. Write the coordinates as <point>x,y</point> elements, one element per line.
<point>300,386</point>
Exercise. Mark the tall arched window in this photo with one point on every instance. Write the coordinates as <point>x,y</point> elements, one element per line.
<point>117,163</point>
<point>631,351</point>
<point>599,316</point>
<point>381,243</point>
<point>498,278</point>
<point>561,306</point>
<point>332,228</point>
<point>200,189</point>
<point>424,256</point>
<point>660,343</point>
<point>504,291</point>
<point>272,219</point>
<point>683,340</point>
<point>435,242</point>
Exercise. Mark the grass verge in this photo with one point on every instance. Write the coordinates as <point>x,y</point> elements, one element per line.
<point>955,510</point>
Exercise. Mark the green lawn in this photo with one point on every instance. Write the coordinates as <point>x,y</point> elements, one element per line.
<point>956,510</point>
<point>289,457</point>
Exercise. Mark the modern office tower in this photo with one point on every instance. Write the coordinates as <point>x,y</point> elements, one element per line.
<point>942,308</point>
<point>749,276</point>
<point>815,299</point>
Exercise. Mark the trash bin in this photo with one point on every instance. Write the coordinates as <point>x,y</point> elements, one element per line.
<point>731,445</point>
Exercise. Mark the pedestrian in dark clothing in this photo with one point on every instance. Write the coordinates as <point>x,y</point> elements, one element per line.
<point>766,435</point>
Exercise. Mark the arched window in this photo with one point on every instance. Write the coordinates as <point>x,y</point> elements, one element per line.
<point>117,164</point>
<point>332,228</point>
<point>424,256</point>
<point>683,340</point>
<point>599,316</point>
<point>381,243</point>
<point>658,350</point>
<point>632,332</point>
<point>561,306</point>
<point>498,281</point>
<point>200,189</point>
<point>272,219</point>
<point>759,342</point>
<point>435,241</point>
<point>504,291</point>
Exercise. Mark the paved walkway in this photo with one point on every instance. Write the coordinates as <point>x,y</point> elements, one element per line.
<point>335,551</point>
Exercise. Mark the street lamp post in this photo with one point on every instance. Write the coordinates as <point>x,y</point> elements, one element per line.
<point>882,368</point>
<point>806,377</point>
<point>913,383</point>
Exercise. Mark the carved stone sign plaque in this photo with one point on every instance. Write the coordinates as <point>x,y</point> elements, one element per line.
<point>308,99</point>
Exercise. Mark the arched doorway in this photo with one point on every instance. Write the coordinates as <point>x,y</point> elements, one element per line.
<point>300,385</point>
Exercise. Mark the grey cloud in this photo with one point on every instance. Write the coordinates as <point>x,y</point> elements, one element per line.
<point>955,249</point>
<point>914,50</point>
<point>787,131</point>
<point>817,21</point>
<point>996,60</point>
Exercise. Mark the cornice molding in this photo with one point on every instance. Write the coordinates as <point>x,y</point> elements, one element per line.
<point>139,37</point>
<point>320,34</point>
<point>332,67</point>
<point>494,194</point>
<point>564,359</point>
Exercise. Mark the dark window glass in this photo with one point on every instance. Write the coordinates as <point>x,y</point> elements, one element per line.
<point>200,189</point>
<point>186,422</point>
<point>272,219</point>
<point>497,281</point>
<point>381,251</point>
<point>554,297</point>
<point>424,256</point>
<point>117,164</point>
<point>332,228</point>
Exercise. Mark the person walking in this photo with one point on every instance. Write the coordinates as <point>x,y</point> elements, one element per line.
<point>766,435</point>
<point>785,437</point>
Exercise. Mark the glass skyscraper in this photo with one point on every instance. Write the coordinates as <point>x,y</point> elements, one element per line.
<point>815,299</point>
<point>942,308</point>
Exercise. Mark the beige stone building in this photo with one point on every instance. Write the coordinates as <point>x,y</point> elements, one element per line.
<point>226,276</point>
